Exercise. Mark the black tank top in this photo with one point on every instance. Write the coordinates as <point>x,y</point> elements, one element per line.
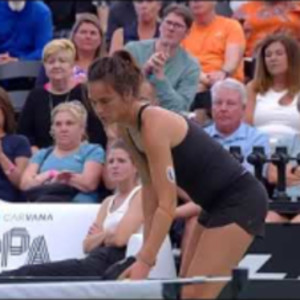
<point>203,168</point>
<point>130,33</point>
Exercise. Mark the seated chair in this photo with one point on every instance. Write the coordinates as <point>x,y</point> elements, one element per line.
<point>165,263</point>
<point>18,79</point>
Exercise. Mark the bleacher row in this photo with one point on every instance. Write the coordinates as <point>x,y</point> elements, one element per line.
<point>21,70</point>
<point>18,77</point>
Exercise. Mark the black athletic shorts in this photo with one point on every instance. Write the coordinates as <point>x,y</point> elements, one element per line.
<point>244,202</point>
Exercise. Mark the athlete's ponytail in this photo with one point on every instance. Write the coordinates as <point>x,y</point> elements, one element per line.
<point>120,71</point>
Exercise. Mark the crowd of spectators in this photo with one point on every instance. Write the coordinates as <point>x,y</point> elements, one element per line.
<point>231,65</point>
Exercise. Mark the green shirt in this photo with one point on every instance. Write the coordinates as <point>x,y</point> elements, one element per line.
<point>178,89</point>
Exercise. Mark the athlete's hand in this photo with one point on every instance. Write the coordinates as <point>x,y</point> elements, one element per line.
<point>138,271</point>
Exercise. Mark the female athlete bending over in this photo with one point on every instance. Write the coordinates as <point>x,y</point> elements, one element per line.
<point>172,151</point>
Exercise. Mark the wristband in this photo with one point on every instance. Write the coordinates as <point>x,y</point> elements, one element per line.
<point>52,174</point>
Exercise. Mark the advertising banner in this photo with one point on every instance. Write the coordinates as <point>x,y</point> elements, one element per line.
<point>37,233</point>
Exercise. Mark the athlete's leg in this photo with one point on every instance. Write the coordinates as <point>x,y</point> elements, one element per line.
<point>191,236</point>
<point>219,250</point>
<point>296,219</point>
<point>275,217</point>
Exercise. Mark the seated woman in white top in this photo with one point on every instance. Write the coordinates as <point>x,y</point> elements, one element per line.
<point>119,217</point>
<point>274,91</point>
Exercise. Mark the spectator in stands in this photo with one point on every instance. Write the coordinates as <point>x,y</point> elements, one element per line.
<point>71,160</point>
<point>145,27</point>
<point>65,13</point>
<point>118,218</point>
<point>274,92</point>
<point>173,72</point>
<point>89,42</point>
<point>263,18</point>
<point>273,96</point>
<point>292,174</point>
<point>218,43</point>
<point>223,8</point>
<point>235,4</point>
<point>103,7</point>
<point>228,107</point>
<point>34,122</point>
<point>14,152</point>
<point>26,27</point>
<point>122,13</point>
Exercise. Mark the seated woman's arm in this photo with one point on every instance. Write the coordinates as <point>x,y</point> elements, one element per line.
<point>117,41</point>
<point>31,178</point>
<point>89,179</point>
<point>95,235</point>
<point>13,167</point>
<point>15,170</point>
<point>130,224</point>
<point>292,176</point>
<point>250,104</point>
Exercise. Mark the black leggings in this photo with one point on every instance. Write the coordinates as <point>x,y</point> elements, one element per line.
<point>95,264</point>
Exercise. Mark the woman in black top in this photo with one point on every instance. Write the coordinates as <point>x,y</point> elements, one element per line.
<point>14,152</point>
<point>173,154</point>
<point>34,122</point>
<point>146,25</point>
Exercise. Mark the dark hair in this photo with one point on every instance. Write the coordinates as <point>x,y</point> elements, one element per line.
<point>8,112</point>
<point>120,71</point>
<point>263,80</point>
<point>180,10</point>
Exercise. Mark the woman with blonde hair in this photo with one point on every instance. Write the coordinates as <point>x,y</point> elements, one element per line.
<point>71,161</point>
<point>59,59</point>
<point>89,41</point>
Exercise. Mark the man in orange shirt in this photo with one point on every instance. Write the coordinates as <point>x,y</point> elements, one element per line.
<point>218,43</point>
<point>262,18</point>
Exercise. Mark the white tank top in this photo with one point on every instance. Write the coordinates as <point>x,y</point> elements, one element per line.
<point>113,218</point>
<point>276,119</point>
